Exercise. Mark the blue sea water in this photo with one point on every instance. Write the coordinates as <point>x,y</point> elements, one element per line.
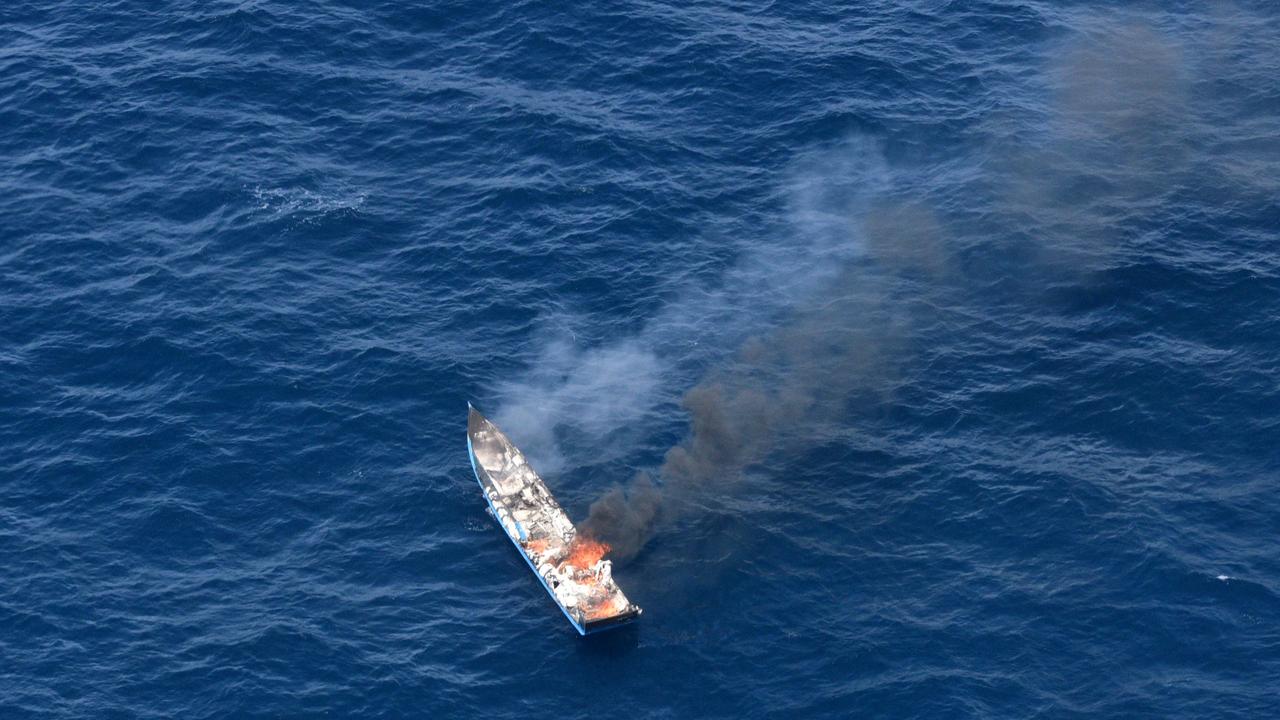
<point>1019,260</point>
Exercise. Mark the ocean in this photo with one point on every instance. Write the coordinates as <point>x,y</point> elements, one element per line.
<point>943,336</point>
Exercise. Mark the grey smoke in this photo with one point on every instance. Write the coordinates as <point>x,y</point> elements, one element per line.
<point>625,519</point>
<point>782,383</point>
<point>1117,136</point>
<point>1118,103</point>
<point>599,389</point>
<point>594,390</point>
<point>812,280</point>
<point>868,260</point>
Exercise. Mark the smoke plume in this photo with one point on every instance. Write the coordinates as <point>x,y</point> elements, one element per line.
<point>593,391</point>
<point>824,317</point>
<point>781,384</point>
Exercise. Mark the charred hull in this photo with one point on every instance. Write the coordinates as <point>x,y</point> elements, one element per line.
<point>594,626</point>
<point>572,569</point>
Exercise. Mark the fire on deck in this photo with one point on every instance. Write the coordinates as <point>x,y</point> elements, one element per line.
<point>570,567</point>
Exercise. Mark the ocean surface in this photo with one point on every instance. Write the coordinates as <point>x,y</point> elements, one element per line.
<point>966,314</point>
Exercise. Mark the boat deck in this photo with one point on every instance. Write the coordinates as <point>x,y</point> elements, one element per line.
<point>571,568</point>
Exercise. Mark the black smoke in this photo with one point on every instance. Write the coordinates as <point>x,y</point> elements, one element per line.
<point>877,252</point>
<point>776,387</point>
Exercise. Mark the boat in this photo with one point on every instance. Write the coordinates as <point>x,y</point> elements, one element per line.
<point>570,566</point>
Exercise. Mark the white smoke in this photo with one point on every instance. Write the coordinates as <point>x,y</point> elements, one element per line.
<point>594,390</point>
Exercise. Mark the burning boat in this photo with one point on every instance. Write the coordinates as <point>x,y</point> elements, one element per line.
<point>571,567</point>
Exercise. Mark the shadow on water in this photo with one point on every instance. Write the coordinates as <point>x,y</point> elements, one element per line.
<point>611,644</point>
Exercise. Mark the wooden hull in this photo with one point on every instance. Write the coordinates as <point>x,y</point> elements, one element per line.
<point>544,536</point>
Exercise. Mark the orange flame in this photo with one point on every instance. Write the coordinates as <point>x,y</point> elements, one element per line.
<point>585,552</point>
